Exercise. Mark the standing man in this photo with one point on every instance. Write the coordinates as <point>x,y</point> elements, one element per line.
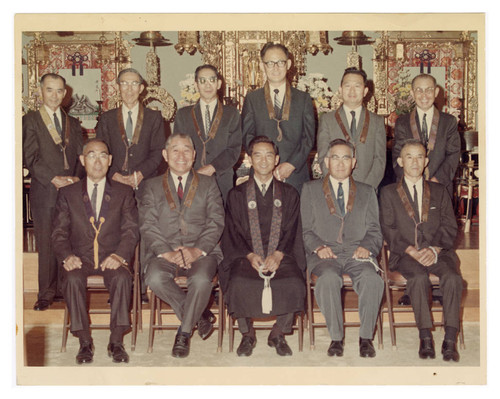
<point>282,113</point>
<point>135,134</point>
<point>181,221</point>
<point>342,235</point>
<point>436,130</point>
<point>214,128</point>
<point>95,232</point>
<point>262,240</point>
<point>419,224</point>
<point>52,141</point>
<point>356,124</point>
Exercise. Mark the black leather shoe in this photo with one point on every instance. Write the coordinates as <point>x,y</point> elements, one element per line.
<point>246,346</point>
<point>85,353</point>
<point>426,349</point>
<point>404,300</point>
<point>41,304</point>
<point>336,348</point>
<point>449,350</point>
<point>366,348</point>
<point>280,344</point>
<point>181,346</point>
<point>206,324</point>
<point>117,352</point>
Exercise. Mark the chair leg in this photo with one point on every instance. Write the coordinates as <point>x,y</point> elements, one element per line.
<point>152,311</point>
<point>301,331</point>
<point>390,314</point>
<point>220,331</point>
<point>310,316</point>
<point>134,316</point>
<point>65,329</point>
<point>230,322</point>
<point>380,333</point>
<point>461,336</point>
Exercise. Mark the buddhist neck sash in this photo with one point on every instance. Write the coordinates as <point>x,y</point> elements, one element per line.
<point>135,137</point>
<point>213,129</point>
<point>330,203</point>
<point>97,230</point>
<point>55,135</point>
<point>286,107</point>
<point>187,201</point>
<point>253,218</point>
<point>426,203</point>
<point>433,130</point>
<point>364,132</point>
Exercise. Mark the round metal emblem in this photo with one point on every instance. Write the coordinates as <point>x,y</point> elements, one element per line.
<point>277,203</point>
<point>252,204</point>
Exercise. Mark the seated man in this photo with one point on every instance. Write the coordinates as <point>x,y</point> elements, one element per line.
<point>419,224</point>
<point>181,221</point>
<point>262,239</point>
<point>342,235</point>
<point>95,231</point>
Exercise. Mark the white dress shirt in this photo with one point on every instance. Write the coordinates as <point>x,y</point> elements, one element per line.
<point>203,108</point>
<point>260,183</point>
<point>135,114</point>
<point>357,113</point>
<point>428,118</point>
<point>281,93</point>
<point>419,186</point>
<point>100,193</point>
<point>345,187</point>
<point>51,115</point>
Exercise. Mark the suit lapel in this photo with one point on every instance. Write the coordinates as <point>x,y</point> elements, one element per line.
<point>199,118</point>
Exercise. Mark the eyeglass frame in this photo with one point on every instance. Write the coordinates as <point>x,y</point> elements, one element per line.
<point>134,83</point>
<point>272,64</point>
<point>211,79</point>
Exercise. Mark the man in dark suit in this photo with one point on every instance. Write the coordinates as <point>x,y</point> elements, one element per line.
<point>341,229</point>
<point>282,113</point>
<point>355,123</point>
<point>95,232</point>
<point>181,221</point>
<point>214,128</point>
<point>419,224</point>
<point>52,141</point>
<point>135,134</point>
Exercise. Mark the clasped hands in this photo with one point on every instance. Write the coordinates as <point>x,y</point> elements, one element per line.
<point>63,181</point>
<point>268,265</point>
<point>283,171</point>
<point>73,262</point>
<point>183,256</point>
<point>426,256</point>
<point>325,252</point>
<point>129,180</point>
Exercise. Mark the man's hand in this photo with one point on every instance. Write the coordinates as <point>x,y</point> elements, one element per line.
<point>256,261</point>
<point>63,181</point>
<point>361,253</point>
<point>325,252</point>
<point>129,180</point>
<point>207,170</point>
<point>283,171</point>
<point>120,178</point>
<point>110,263</point>
<point>425,256</point>
<point>191,254</point>
<point>173,257</point>
<point>273,261</point>
<point>72,262</point>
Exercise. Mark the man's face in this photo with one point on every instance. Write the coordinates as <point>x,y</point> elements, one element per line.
<point>340,162</point>
<point>179,155</point>
<point>413,160</point>
<point>96,160</point>
<point>276,75</point>
<point>130,88</point>
<point>424,93</point>
<point>353,90</point>
<point>263,160</point>
<point>52,92</point>
<point>207,84</point>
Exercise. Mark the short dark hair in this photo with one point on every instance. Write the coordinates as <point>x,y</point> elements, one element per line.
<point>205,66</point>
<point>336,142</point>
<point>410,143</point>
<point>179,135</point>
<point>261,139</point>
<point>94,141</point>
<point>424,75</point>
<point>354,71</point>
<point>132,70</point>
<point>271,45</point>
<point>52,76</point>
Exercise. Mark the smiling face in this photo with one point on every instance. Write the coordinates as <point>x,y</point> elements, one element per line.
<point>340,162</point>
<point>179,155</point>
<point>263,160</point>
<point>353,90</point>
<point>96,160</point>
<point>130,88</point>
<point>207,84</point>
<point>275,74</point>
<point>52,91</point>
<point>424,92</point>
<point>413,160</point>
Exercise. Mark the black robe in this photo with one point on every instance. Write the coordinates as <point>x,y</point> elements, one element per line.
<point>239,280</point>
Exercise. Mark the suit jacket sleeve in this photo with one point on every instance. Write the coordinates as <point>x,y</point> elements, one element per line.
<point>311,239</point>
<point>324,138</point>
<point>400,137</point>
<point>377,170</point>
<point>248,121</point>
<point>156,144</point>
<point>373,236</point>
<point>129,227</point>
<point>445,235</point>
<point>229,156</point>
<point>446,171</point>
<point>61,228</point>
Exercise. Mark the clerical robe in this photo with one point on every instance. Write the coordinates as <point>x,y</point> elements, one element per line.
<point>240,281</point>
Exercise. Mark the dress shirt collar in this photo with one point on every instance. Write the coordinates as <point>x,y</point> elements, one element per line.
<point>348,115</point>
<point>281,94</point>
<point>101,185</point>
<point>429,115</point>
<point>176,180</point>
<point>419,186</point>
<point>260,183</point>
<point>345,186</point>
<point>51,113</point>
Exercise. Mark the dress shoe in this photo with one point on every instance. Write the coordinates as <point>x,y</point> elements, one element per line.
<point>246,346</point>
<point>144,299</point>
<point>85,353</point>
<point>336,349</point>
<point>181,345</point>
<point>449,350</point>
<point>280,344</point>
<point>426,349</point>
<point>41,304</point>
<point>206,324</point>
<point>117,352</point>
<point>404,300</point>
<point>366,348</point>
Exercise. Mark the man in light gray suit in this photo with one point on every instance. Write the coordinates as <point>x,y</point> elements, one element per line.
<point>181,220</point>
<point>342,234</point>
<point>367,133</point>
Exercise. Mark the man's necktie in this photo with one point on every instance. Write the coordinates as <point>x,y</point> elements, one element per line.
<point>340,199</point>
<point>263,189</point>
<point>128,128</point>
<point>415,201</point>
<point>207,121</point>
<point>180,191</point>
<point>277,104</point>
<point>353,124</point>
<point>58,125</point>
<point>93,200</point>
<point>424,129</point>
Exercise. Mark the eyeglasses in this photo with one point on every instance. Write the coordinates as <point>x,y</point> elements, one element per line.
<point>337,158</point>
<point>93,156</point>
<point>211,79</point>
<point>272,64</point>
<point>428,90</point>
<point>134,83</point>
